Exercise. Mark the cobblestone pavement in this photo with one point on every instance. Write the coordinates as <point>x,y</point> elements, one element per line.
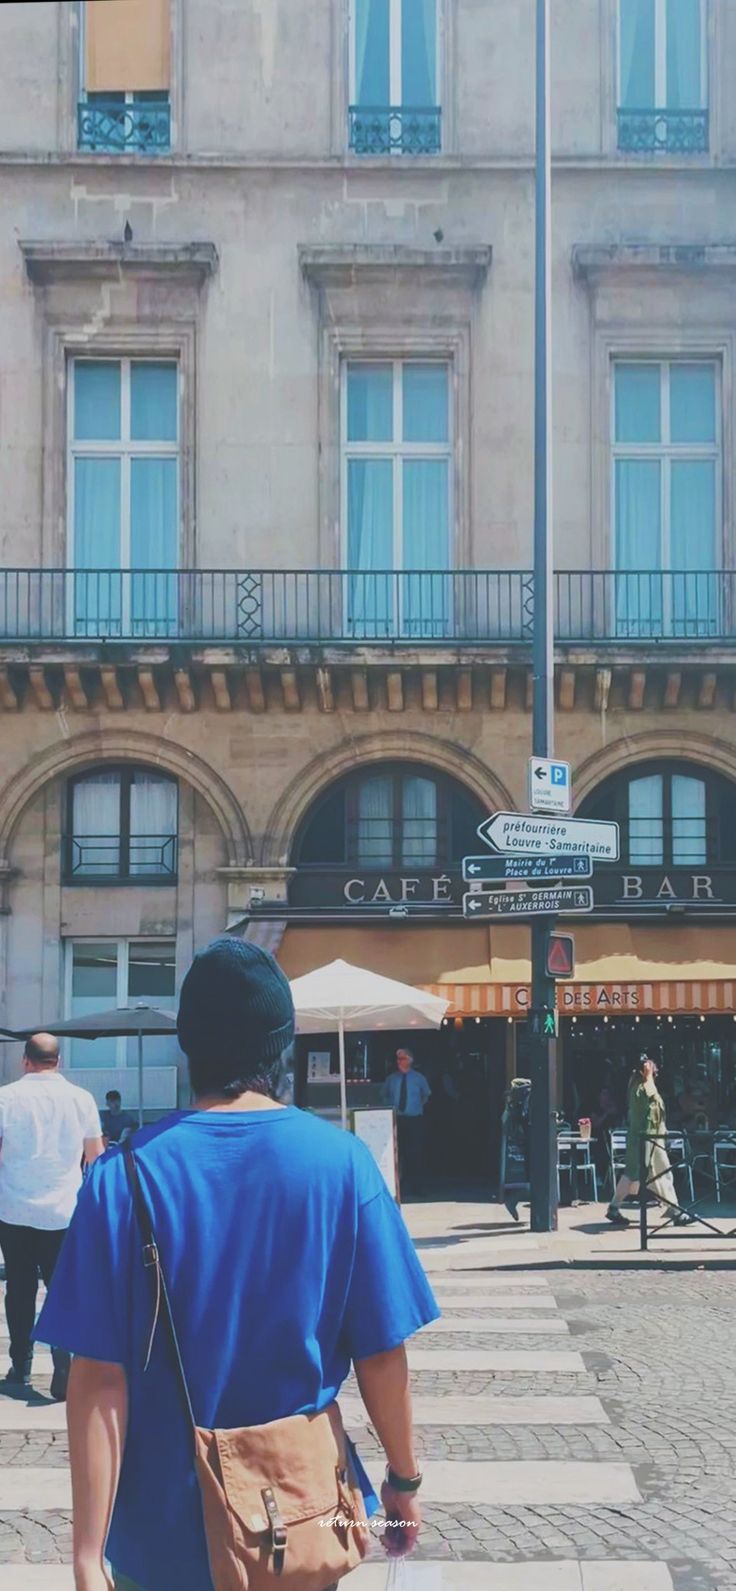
<point>659,1351</point>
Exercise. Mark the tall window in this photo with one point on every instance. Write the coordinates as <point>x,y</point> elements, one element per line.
<point>394,77</point>
<point>122,825</point>
<point>663,76</point>
<point>104,973</point>
<point>124,496</point>
<point>124,105</point>
<point>666,465</point>
<point>671,815</point>
<point>396,441</point>
<point>393,818</point>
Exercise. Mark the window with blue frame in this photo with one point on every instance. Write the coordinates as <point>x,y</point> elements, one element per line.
<point>663,77</point>
<point>124,102</point>
<point>666,491</point>
<point>394,77</point>
<point>123,497</point>
<point>397,482</point>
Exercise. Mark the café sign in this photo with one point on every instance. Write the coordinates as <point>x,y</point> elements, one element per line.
<point>618,892</point>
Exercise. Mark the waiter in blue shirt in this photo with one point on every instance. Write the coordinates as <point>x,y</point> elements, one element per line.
<point>407,1092</point>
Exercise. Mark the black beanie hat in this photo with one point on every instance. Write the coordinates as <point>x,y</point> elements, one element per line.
<point>235,999</point>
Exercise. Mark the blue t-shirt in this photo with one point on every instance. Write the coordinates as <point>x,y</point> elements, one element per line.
<point>286,1258</point>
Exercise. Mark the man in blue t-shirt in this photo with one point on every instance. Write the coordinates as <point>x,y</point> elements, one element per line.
<point>286,1259</point>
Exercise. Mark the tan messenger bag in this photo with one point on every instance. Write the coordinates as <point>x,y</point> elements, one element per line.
<point>282,1507</point>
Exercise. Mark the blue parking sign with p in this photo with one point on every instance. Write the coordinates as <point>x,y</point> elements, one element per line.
<point>559,773</point>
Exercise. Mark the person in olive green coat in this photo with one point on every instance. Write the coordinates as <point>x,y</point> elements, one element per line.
<point>646,1116</point>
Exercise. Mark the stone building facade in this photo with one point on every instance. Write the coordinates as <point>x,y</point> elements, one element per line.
<point>266,320</point>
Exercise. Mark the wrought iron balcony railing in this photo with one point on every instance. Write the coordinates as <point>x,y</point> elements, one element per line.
<point>111,126</point>
<point>130,858</point>
<point>395,129</point>
<point>670,132</point>
<point>351,607</point>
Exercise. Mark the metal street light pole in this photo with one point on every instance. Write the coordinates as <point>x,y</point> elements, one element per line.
<point>543,1139</point>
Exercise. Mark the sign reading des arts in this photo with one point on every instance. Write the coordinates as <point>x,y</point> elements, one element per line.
<point>618,891</point>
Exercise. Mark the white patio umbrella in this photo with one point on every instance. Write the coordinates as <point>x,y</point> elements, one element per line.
<point>343,999</point>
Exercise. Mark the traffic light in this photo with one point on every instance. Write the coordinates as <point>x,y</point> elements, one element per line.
<point>543,1023</point>
<point>560,956</point>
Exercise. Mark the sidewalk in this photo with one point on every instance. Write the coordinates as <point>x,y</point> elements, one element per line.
<point>483,1235</point>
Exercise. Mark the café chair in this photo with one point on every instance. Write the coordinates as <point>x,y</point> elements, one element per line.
<point>724,1158</point>
<point>679,1157</point>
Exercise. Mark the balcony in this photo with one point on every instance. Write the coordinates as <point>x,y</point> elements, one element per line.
<point>263,638</point>
<point>336,607</point>
<point>395,129</point>
<point>666,132</point>
<point>112,126</point>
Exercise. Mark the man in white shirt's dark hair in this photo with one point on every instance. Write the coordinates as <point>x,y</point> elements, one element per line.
<point>47,1126</point>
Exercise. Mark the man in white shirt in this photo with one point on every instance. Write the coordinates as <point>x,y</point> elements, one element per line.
<point>47,1126</point>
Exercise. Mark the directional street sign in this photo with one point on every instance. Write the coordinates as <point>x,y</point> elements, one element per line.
<point>527,868</point>
<point>519,833</point>
<point>568,898</point>
<point>550,785</point>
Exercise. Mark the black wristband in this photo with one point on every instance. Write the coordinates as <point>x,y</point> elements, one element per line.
<point>400,1483</point>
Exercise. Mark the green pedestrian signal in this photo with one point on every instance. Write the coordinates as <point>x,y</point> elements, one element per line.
<point>543,1023</point>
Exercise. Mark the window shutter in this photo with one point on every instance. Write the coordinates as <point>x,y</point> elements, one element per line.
<point>128,45</point>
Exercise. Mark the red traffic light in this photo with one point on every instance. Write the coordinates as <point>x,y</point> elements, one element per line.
<point>560,956</point>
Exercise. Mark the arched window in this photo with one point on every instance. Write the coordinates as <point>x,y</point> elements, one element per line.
<point>121,825</point>
<point>391,817</point>
<point>672,814</point>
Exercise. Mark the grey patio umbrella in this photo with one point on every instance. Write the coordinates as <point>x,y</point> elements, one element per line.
<point>137,1021</point>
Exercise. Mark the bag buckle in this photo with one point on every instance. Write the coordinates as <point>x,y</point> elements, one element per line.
<point>278,1529</point>
<point>150,1255</point>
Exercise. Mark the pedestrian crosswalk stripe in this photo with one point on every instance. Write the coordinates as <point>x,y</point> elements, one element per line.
<point>447,1575</point>
<point>20,1414</point>
<point>544,1483</point>
<point>517,1301</point>
<point>49,1577</point>
<point>26,1487</point>
<point>452,1410</point>
<point>495,1281</point>
<point>461,1575</point>
<point>524,1362</point>
<point>500,1324</point>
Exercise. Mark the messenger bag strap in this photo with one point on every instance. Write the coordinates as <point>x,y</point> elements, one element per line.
<point>152,1263</point>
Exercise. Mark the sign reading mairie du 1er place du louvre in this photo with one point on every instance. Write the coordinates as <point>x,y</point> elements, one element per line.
<point>521,832</point>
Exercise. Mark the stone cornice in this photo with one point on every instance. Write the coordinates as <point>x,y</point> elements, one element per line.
<point>591,262</point>
<point>48,262</point>
<point>339,265</point>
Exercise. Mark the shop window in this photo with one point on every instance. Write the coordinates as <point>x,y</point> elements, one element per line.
<point>124,105</point>
<point>394,77</point>
<point>123,497</point>
<point>663,79</point>
<point>670,816</point>
<point>666,474</point>
<point>121,827</point>
<point>104,973</point>
<point>396,818</point>
<point>397,478</point>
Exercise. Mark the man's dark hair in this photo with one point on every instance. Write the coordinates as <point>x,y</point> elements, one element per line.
<point>230,1077</point>
<point>112,1093</point>
<point>42,1049</point>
